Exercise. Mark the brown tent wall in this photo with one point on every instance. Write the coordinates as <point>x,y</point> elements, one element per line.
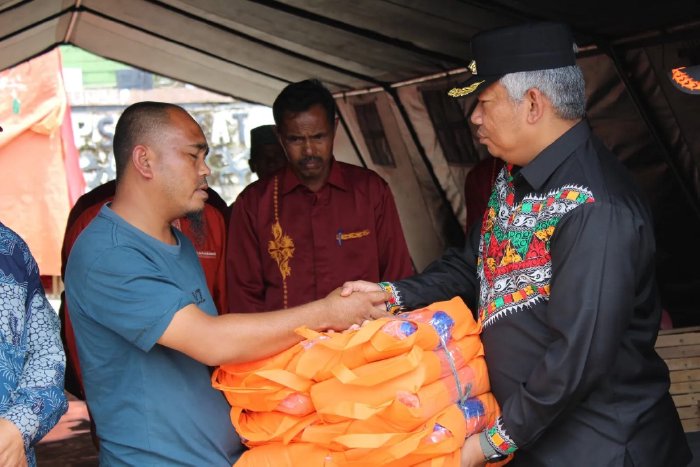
<point>419,203</point>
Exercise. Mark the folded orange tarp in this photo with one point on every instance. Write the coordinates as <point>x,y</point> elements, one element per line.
<point>401,391</point>
<point>370,449</point>
<point>335,400</point>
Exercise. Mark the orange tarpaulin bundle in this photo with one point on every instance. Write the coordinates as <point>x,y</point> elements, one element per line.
<point>402,391</point>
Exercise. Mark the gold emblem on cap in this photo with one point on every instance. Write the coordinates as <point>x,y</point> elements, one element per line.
<point>472,67</point>
<point>459,92</point>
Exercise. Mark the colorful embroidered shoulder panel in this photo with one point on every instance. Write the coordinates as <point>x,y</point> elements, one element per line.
<point>514,265</point>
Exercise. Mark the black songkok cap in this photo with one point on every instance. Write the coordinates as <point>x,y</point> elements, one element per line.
<point>264,134</point>
<point>526,47</point>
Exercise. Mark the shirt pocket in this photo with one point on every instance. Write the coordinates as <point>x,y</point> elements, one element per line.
<point>351,237</point>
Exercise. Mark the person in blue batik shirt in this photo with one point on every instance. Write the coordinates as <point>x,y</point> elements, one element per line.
<point>32,362</point>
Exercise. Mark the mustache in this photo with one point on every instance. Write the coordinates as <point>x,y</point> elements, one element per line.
<point>308,159</point>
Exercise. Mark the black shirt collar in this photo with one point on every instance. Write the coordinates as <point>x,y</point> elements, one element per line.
<point>538,171</point>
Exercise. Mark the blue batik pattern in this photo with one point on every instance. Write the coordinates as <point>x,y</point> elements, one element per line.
<point>32,361</point>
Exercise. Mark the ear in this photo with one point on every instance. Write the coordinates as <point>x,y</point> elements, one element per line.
<point>536,104</point>
<point>335,126</point>
<point>142,157</point>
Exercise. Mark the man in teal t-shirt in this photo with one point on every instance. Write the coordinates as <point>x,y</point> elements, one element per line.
<point>145,325</point>
<point>135,385</point>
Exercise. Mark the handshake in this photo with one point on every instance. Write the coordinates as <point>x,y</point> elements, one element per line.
<point>354,303</point>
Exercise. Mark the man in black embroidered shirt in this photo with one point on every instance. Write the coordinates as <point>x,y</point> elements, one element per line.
<point>561,272</point>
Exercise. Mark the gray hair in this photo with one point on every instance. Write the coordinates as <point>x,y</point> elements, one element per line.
<point>564,87</point>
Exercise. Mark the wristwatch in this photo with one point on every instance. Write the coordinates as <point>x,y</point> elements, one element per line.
<point>490,453</point>
<point>496,457</point>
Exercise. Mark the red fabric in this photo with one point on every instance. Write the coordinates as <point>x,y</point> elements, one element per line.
<point>71,160</point>
<point>34,196</point>
<point>478,186</point>
<point>210,250</point>
<point>355,202</point>
<point>211,253</point>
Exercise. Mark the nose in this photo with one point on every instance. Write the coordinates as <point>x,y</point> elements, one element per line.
<point>204,169</point>
<point>476,116</point>
<point>307,147</point>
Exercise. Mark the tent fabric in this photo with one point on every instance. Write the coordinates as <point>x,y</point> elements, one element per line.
<point>35,158</point>
<point>450,176</point>
<point>411,184</point>
<point>253,48</point>
<point>668,181</point>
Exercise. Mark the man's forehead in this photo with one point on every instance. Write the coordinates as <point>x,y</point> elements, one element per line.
<point>316,110</point>
<point>189,126</point>
<point>182,131</point>
<point>305,125</point>
<point>492,90</point>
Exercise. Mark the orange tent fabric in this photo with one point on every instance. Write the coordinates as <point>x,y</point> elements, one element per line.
<point>34,193</point>
<point>383,394</point>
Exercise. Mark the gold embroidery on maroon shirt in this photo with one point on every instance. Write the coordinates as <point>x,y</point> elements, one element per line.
<point>281,247</point>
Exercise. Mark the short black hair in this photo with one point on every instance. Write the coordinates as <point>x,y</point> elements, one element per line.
<point>137,122</point>
<point>301,96</point>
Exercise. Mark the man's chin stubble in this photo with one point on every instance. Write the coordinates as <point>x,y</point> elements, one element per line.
<point>197,225</point>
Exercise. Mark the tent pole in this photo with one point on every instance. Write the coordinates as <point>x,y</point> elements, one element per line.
<point>454,234</point>
<point>645,114</point>
<point>73,20</point>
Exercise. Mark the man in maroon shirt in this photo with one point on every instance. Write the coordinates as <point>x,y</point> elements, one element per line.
<point>305,229</point>
<point>477,188</point>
